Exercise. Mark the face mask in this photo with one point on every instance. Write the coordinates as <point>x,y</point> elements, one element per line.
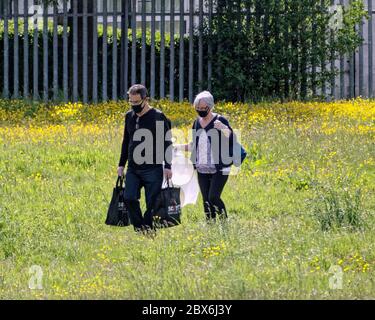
<point>137,107</point>
<point>203,113</point>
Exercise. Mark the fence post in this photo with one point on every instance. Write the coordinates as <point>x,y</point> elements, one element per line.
<point>126,45</point>
<point>25,50</point>
<point>16,54</point>
<point>171,50</point>
<point>114,53</point>
<point>134,41</point>
<point>6,53</point>
<point>191,50</point>
<point>181,53</point>
<point>152,74</point>
<point>209,65</point>
<point>360,62</point>
<point>36,54</point>
<point>370,50</point>
<point>342,69</point>
<point>75,51</point>
<point>85,52</point>
<point>162,50</point>
<point>143,54</point>
<point>104,52</point>
<point>65,50</point>
<point>45,53</point>
<point>55,54</point>
<point>332,61</point>
<point>200,47</point>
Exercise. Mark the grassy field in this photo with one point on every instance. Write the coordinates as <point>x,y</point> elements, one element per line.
<point>301,211</point>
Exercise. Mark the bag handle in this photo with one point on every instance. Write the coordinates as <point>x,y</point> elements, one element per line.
<point>121,180</point>
<point>169,185</point>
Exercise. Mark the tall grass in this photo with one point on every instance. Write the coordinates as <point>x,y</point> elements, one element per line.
<point>58,168</point>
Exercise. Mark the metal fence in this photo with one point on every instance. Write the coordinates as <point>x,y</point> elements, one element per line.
<point>84,72</point>
<point>356,70</point>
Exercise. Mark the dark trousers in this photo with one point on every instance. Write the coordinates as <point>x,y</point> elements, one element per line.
<point>152,180</point>
<point>211,186</point>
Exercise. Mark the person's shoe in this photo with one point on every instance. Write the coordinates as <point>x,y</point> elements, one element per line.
<point>210,220</point>
<point>223,216</point>
<point>150,233</point>
<point>138,230</point>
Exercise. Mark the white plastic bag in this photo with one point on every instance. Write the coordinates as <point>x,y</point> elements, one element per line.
<point>185,177</point>
<point>189,191</point>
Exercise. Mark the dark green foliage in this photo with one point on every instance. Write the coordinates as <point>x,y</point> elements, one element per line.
<point>262,50</point>
<point>277,51</point>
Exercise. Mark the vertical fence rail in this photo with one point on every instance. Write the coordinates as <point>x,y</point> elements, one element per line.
<point>191,49</point>
<point>114,53</point>
<point>126,45</point>
<point>16,54</point>
<point>25,50</point>
<point>152,71</point>
<point>342,66</point>
<point>332,62</point>
<point>200,46</point>
<point>162,49</point>
<point>35,53</point>
<point>85,53</point>
<point>55,54</point>
<point>143,57</point>
<point>65,54</point>
<point>370,50</point>
<point>323,63</point>
<point>209,63</point>
<point>105,52</point>
<point>181,52</point>
<point>95,52</point>
<point>361,62</point>
<point>75,50</point>
<point>6,53</point>
<point>171,46</point>
<point>45,54</point>
<point>78,56</point>
<point>134,41</point>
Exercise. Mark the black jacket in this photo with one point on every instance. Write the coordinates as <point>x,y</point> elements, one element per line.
<point>146,121</point>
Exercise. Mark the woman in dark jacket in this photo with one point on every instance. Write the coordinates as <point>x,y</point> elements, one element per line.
<point>211,154</point>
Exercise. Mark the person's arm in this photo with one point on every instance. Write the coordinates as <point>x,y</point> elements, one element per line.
<point>184,147</point>
<point>125,145</point>
<point>188,146</point>
<point>222,124</point>
<point>168,142</point>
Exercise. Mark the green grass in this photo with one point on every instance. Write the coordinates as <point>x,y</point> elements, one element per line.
<point>54,194</point>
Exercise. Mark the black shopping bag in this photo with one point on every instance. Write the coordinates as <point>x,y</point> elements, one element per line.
<point>118,214</point>
<point>167,208</point>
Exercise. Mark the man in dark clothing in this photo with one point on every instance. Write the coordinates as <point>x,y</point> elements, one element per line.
<point>146,145</point>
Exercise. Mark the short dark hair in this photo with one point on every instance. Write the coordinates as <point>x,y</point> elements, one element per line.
<point>138,89</point>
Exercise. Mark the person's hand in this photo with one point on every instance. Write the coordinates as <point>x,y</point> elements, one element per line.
<point>181,147</point>
<point>178,147</point>
<point>221,126</point>
<point>168,174</point>
<point>120,171</point>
